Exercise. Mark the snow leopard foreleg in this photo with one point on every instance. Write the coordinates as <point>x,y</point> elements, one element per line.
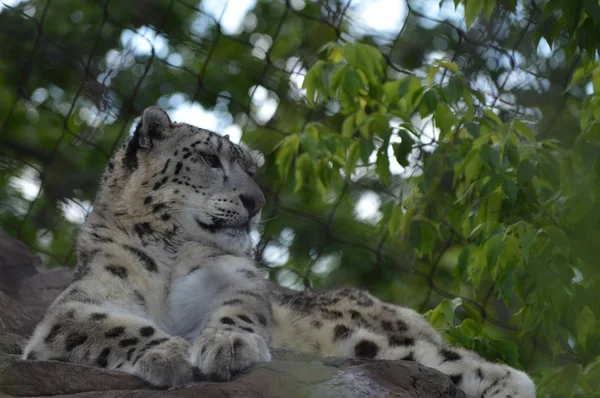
<point>100,335</point>
<point>223,310</point>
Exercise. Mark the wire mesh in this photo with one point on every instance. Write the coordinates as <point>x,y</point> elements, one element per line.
<point>91,115</point>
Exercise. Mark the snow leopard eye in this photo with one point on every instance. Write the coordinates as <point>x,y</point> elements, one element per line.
<point>211,161</point>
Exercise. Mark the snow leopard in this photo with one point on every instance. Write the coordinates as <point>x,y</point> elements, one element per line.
<point>165,286</point>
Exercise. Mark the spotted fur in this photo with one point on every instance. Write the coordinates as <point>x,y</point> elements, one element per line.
<point>165,288</point>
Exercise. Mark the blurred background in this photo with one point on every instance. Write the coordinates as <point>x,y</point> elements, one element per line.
<point>442,154</point>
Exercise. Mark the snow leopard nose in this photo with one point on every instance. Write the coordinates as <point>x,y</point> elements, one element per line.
<point>253,203</point>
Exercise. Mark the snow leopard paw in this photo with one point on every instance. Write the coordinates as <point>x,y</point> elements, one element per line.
<point>220,354</point>
<point>166,364</point>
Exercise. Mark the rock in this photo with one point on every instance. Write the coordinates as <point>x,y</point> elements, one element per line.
<point>26,289</point>
<point>348,378</point>
<point>14,317</point>
<point>11,343</point>
<point>44,378</point>
<point>39,290</point>
<point>16,263</point>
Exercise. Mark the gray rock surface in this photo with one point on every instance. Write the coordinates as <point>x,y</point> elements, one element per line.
<point>26,289</point>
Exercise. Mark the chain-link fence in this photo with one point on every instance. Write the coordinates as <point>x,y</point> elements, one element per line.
<point>75,75</point>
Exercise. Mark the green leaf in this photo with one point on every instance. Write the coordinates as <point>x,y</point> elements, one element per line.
<point>383,167</point>
<point>578,75</point>
<point>403,148</point>
<point>352,82</point>
<point>473,129</point>
<point>423,236</point>
<point>473,166</point>
<point>432,71</point>
<point>578,207</point>
<point>380,126</point>
<point>392,91</point>
<point>472,10</point>
<point>407,86</point>
<point>559,238</point>
<point>309,142</point>
<point>468,97</point>
<point>463,260</point>
<point>366,149</point>
<point>352,159</point>
<point>428,103</point>
<point>562,382</point>
<point>441,316</point>
<point>586,325</point>
<point>490,154</point>
<point>303,168</point>
<point>596,80</point>
<point>525,171</point>
<point>351,54</point>
<point>323,176</point>
<point>349,126</point>
<point>395,220</point>
<point>334,52</point>
<point>444,119</point>
<point>593,9</point>
<point>494,247</point>
<point>490,114</point>
<point>371,62</point>
<point>488,8</point>
<point>507,350</point>
<point>505,285</point>
<point>492,207</point>
<point>474,314</point>
<point>513,156</point>
<point>313,79</point>
<point>285,156</point>
<point>451,66</point>
<point>364,125</point>
<point>336,80</point>
<point>590,380</point>
<point>526,241</point>
<point>510,189</point>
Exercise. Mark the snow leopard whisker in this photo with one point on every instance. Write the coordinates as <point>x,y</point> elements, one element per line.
<point>268,219</point>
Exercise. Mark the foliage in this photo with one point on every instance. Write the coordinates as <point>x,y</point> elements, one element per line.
<point>481,151</point>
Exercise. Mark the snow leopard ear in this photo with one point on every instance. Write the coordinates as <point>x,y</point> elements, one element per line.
<point>152,127</point>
